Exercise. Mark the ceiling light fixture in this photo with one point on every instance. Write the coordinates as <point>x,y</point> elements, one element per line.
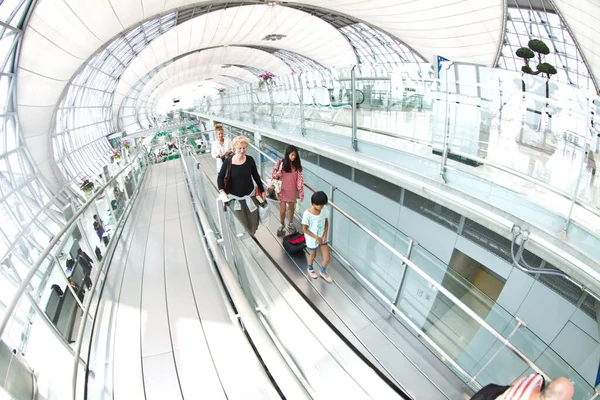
<point>272,35</point>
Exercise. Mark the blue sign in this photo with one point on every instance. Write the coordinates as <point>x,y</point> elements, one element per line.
<point>441,61</point>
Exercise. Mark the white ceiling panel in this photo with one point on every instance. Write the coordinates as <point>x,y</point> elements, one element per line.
<point>461,30</point>
<point>247,25</point>
<point>78,40</point>
<point>46,59</point>
<point>36,90</point>
<point>128,12</point>
<point>34,118</point>
<point>99,17</point>
<point>214,59</point>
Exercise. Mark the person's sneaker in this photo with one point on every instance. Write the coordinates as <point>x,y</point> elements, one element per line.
<point>281,230</point>
<point>325,275</point>
<point>291,228</point>
<point>312,273</point>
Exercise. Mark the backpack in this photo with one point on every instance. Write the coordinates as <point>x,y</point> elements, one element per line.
<point>294,243</point>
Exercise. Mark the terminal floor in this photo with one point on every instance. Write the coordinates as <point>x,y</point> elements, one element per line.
<point>163,328</point>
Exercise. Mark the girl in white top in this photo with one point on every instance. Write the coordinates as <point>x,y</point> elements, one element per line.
<point>221,148</point>
<point>315,225</point>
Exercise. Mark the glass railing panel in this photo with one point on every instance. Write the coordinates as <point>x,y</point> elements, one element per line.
<point>554,365</point>
<point>425,165</point>
<point>287,318</point>
<point>49,313</point>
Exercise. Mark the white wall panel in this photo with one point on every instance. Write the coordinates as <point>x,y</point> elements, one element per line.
<point>548,320</point>
<point>586,323</point>
<point>515,290</point>
<point>574,345</point>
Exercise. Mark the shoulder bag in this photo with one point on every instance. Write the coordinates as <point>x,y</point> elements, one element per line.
<point>227,179</point>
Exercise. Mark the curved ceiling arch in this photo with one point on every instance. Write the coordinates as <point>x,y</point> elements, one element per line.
<point>63,35</point>
<point>245,25</point>
<point>231,55</point>
<point>214,72</point>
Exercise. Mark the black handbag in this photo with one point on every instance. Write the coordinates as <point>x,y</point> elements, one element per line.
<point>227,179</point>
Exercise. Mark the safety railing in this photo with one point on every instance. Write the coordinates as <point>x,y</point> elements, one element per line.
<point>248,266</point>
<point>460,136</point>
<point>289,380</point>
<point>404,301</point>
<point>73,267</point>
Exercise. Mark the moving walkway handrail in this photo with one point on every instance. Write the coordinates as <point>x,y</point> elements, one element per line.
<point>278,367</point>
<point>432,281</point>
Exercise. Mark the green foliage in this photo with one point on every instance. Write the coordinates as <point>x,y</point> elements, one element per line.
<point>538,46</point>
<point>547,69</point>
<point>525,52</point>
<point>527,69</point>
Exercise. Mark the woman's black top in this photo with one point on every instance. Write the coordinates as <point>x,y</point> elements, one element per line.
<point>241,177</point>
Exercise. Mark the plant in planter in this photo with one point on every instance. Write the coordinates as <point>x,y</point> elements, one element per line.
<point>86,186</point>
<point>265,78</point>
<point>536,49</point>
<point>126,145</point>
<point>221,90</point>
<point>116,156</point>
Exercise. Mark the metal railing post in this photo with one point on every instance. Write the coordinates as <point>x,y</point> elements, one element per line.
<point>302,116</point>
<point>272,106</point>
<point>446,129</point>
<point>411,244</point>
<point>353,90</point>
<point>224,230</point>
<point>331,194</point>
<point>574,196</point>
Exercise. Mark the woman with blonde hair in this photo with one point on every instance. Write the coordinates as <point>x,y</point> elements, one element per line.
<point>235,180</point>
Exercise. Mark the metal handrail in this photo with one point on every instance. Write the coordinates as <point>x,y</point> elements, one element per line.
<point>88,300</point>
<point>10,308</point>
<point>279,368</point>
<point>570,259</point>
<point>433,282</point>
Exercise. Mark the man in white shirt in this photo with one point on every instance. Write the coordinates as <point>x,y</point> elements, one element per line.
<point>221,148</point>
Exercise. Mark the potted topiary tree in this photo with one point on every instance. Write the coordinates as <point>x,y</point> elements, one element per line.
<point>536,48</point>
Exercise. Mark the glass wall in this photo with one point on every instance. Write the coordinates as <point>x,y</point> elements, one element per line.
<point>443,325</point>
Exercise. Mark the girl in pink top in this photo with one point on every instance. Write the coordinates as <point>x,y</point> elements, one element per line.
<point>289,171</point>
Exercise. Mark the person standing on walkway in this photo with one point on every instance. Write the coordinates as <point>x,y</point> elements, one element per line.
<point>315,225</point>
<point>289,171</point>
<point>235,180</point>
<point>221,148</point>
